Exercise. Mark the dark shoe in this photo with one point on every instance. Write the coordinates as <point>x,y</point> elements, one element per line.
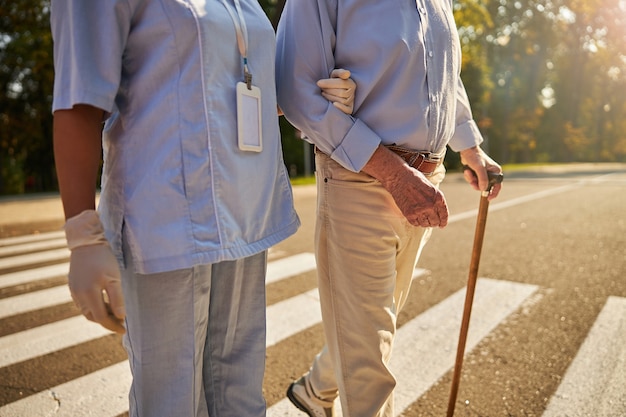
<point>311,405</point>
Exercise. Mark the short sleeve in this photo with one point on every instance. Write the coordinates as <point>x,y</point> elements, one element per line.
<point>89,39</point>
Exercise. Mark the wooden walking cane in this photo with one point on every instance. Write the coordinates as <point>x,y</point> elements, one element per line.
<point>481,221</point>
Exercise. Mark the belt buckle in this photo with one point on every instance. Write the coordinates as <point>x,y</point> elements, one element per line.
<point>431,157</point>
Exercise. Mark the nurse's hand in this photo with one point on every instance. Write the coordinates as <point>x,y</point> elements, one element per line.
<point>339,89</point>
<point>94,276</point>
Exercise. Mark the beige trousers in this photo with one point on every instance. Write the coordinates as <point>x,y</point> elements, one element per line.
<point>366,253</point>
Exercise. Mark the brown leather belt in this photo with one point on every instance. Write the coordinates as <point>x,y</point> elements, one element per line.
<point>424,162</point>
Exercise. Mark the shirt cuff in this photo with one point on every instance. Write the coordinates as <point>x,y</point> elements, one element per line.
<point>357,147</point>
<point>466,136</point>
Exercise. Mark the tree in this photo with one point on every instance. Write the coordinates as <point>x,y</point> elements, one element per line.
<point>518,48</point>
<point>590,80</point>
<point>26,79</point>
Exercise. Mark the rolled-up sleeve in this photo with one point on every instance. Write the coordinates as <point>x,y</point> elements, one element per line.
<point>466,133</point>
<point>305,41</point>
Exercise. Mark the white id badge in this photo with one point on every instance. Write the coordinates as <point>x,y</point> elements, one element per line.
<point>249,118</point>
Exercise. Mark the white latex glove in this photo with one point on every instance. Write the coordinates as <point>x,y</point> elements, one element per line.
<point>339,89</point>
<point>94,277</point>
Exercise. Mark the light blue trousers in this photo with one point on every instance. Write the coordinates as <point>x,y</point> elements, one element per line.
<point>196,340</point>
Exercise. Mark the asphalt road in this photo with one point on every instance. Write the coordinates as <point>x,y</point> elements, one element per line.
<point>556,345</point>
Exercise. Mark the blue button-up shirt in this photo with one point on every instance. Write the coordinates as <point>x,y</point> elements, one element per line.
<point>174,182</point>
<point>405,58</point>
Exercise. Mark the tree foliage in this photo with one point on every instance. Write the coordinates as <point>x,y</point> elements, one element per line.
<point>26,77</point>
<point>557,69</point>
<point>546,78</point>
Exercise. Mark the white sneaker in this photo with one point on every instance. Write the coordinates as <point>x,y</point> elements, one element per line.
<point>310,404</point>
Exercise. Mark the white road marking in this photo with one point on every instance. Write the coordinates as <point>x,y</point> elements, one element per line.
<point>293,315</point>
<point>48,338</point>
<point>32,247</point>
<point>31,238</point>
<point>290,266</point>
<point>34,274</point>
<point>601,359</point>
<point>34,301</point>
<point>33,258</point>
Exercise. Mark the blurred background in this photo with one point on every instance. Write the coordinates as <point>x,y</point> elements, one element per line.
<point>546,79</point>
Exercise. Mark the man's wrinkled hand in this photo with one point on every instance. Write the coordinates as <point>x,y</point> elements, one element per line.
<point>418,199</point>
<point>480,163</point>
<point>421,202</point>
<point>339,89</point>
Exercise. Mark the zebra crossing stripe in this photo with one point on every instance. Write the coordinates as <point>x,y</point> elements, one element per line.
<point>292,316</point>
<point>33,301</point>
<point>290,266</point>
<point>33,275</point>
<point>17,240</point>
<point>602,359</point>
<point>425,347</point>
<point>48,338</point>
<point>34,258</point>
<point>32,247</point>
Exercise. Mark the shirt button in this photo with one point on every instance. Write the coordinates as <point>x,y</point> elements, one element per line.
<point>430,54</point>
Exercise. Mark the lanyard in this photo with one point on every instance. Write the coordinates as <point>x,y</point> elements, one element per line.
<point>242,37</point>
